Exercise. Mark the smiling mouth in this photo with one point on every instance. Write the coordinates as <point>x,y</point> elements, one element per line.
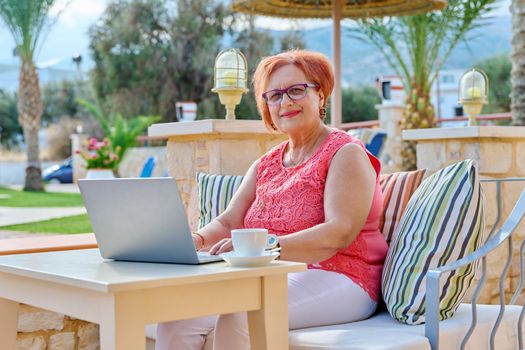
<point>290,114</point>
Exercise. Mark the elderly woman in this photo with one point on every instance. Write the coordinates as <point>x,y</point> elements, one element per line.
<point>318,191</point>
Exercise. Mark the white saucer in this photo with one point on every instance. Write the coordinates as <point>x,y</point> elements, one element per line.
<point>248,261</point>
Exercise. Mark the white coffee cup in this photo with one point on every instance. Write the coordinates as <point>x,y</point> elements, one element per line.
<point>252,241</point>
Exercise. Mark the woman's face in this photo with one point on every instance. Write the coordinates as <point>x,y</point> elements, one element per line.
<point>291,116</point>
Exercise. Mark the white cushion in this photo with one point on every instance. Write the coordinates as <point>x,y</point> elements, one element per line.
<point>379,332</point>
<point>382,332</point>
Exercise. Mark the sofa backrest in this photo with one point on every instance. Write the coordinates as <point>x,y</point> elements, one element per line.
<point>216,191</point>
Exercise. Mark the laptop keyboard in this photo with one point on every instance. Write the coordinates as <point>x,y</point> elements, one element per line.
<point>206,256</point>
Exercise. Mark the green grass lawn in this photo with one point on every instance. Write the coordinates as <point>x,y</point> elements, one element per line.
<point>12,198</point>
<point>66,225</point>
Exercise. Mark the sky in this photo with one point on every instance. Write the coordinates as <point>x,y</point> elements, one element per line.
<point>69,37</point>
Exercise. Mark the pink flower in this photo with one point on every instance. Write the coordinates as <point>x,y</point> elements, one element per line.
<point>92,144</point>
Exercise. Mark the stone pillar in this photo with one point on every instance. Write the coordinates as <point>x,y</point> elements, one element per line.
<point>214,146</point>
<point>390,115</point>
<point>500,153</point>
<point>78,142</point>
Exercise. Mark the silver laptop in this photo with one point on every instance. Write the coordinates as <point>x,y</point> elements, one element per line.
<point>141,219</point>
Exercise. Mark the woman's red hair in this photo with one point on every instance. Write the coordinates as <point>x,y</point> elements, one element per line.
<point>315,66</point>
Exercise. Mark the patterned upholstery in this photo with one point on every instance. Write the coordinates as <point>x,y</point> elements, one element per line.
<point>215,193</point>
<point>397,189</point>
<point>442,223</point>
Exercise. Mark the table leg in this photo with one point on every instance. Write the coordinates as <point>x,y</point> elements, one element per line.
<point>8,323</point>
<point>269,325</point>
<point>122,333</point>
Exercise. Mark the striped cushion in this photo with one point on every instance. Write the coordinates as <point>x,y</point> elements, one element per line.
<point>215,193</point>
<point>397,189</point>
<point>442,223</point>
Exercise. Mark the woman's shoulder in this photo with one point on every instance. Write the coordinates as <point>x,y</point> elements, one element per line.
<point>351,148</point>
<point>341,137</point>
<point>338,139</point>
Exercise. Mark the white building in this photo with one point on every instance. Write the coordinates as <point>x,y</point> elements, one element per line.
<point>444,94</point>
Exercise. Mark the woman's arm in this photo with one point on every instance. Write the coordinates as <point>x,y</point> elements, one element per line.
<point>233,216</point>
<point>348,196</point>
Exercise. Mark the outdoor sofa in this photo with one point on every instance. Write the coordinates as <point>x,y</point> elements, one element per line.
<point>475,326</point>
<point>472,326</point>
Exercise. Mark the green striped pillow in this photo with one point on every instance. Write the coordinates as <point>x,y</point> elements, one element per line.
<point>443,222</point>
<point>215,193</point>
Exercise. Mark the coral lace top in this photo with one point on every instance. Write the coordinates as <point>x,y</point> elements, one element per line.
<point>291,199</point>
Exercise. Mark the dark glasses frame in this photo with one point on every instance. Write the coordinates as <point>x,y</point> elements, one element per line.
<point>285,91</point>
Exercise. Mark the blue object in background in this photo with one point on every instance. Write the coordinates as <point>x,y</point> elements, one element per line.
<point>62,173</point>
<point>149,165</point>
<point>376,143</point>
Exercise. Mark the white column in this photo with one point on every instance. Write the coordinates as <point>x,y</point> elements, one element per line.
<point>78,142</point>
<point>390,115</point>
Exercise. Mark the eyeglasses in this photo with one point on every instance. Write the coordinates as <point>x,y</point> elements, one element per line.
<point>294,92</point>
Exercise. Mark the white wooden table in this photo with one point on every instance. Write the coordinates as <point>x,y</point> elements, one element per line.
<point>122,297</point>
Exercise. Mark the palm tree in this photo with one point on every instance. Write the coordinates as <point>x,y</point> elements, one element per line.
<point>416,47</point>
<point>517,8</point>
<point>26,19</point>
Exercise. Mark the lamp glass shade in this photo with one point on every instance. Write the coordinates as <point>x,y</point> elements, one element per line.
<point>230,69</point>
<point>473,86</point>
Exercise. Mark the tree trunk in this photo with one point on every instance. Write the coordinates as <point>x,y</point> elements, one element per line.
<point>30,111</point>
<point>419,114</point>
<point>517,10</point>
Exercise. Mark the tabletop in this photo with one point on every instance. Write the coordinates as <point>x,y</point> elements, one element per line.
<point>87,269</point>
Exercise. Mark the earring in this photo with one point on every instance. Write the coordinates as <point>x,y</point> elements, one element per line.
<point>322,112</point>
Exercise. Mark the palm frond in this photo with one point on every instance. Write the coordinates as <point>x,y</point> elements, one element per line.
<point>25,19</point>
<point>419,45</point>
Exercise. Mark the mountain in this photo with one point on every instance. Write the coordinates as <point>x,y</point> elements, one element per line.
<point>362,62</point>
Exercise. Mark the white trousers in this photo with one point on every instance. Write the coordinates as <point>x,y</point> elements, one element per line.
<point>315,298</point>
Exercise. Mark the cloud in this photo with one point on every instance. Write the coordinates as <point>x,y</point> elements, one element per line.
<point>74,11</point>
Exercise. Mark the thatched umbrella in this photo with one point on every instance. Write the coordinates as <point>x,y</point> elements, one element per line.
<point>336,9</point>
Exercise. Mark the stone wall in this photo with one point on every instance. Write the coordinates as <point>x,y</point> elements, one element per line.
<point>214,156</point>
<point>45,330</point>
<point>500,153</point>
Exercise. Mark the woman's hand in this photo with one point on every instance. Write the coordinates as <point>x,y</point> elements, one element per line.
<point>198,241</point>
<point>223,246</point>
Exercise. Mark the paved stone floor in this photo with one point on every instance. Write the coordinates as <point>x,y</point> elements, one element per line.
<point>65,188</point>
<point>18,234</point>
<point>14,216</point>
